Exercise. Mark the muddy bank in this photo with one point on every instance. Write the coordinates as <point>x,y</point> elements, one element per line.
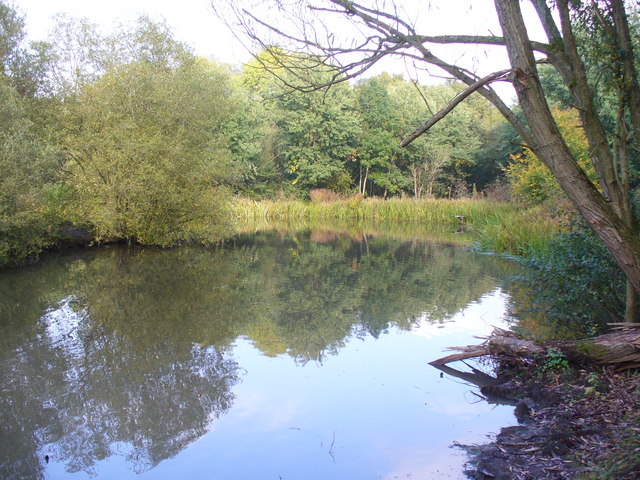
<point>573,423</point>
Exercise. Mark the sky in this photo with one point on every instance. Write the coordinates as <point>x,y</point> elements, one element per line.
<point>194,22</point>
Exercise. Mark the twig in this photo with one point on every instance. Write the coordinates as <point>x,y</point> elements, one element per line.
<point>333,441</point>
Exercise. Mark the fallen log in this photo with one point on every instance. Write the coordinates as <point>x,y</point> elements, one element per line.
<point>620,349</point>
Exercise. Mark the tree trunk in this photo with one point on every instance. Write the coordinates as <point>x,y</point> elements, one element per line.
<point>621,153</point>
<point>630,77</point>
<point>572,69</point>
<point>550,147</point>
<point>631,304</point>
<point>364,181</point>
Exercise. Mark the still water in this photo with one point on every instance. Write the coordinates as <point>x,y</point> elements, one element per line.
<point>280,356</point>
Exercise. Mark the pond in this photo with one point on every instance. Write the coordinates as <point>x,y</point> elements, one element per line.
<point>279,356</point>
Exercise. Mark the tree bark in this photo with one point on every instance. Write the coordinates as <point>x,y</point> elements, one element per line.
<point>550,147</point>
<point>620,349</point>
<point>571,68</point>
<point>629,74</point>
<point>451,105</point>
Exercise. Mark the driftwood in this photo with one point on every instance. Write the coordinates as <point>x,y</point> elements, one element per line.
<point>620,349</point>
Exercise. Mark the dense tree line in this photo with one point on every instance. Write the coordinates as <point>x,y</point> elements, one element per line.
<point>128,136</point>
<point>587,62</point>
<point>347,138</point>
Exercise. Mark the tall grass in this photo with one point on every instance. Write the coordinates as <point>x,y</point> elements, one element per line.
<point>496,226</point>
<point>361,229</point>
<point>523,232</point>
<point>429,211</point>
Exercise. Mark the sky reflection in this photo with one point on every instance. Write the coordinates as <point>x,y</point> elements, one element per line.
<point>270,359</point>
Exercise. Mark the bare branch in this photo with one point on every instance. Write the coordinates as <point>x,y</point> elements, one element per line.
<point>478,40</point>
<point>391,37</point>
<point>496,76</point>
<point>422,95</point>
<point>548,23</point>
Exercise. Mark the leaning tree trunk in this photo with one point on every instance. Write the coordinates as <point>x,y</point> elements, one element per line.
<point>550,147</point>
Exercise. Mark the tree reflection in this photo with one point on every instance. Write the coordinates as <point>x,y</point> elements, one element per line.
<point>129,351</point>
<point>83,390</point>
<point>311,296</point>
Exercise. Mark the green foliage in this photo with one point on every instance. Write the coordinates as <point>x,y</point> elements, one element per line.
<point>622,460</point>
<point>554,88</point>
<point>434,161</point>
<point>555,362</point>
<point>479,215</point>
<point>348,139</point>
<point>595,385</point>
<point>252,136</point>
<point>133,146</point>
<point>531,181</point>
<point>570,290</point>
<point>82,54</point>
<point>27,217</point>
<point>378,157</point>
<point>150,139</point>
<point>521,232</point>
<point>145,154</point>
<point>318,132</point>
<point>314,132</point>
<point>23,68</point>
<point>499,142</point>
<point>27,163</point>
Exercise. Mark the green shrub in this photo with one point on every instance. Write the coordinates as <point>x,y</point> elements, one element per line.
<point>576,285</point>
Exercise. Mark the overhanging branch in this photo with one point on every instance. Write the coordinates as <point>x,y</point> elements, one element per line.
<point>477,40</point>
<point>496,76</point>
<point>389,36</point>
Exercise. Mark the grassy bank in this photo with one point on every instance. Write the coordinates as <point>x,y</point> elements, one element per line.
<point>523,231</point>
<point>497,226</point>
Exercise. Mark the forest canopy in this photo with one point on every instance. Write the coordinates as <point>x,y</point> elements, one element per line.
<point>129,136</point>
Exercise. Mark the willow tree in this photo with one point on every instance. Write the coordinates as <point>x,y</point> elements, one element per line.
<point>381,29</point>
<point>145,149</point>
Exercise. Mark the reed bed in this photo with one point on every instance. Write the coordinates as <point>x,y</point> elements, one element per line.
<point>428,211</point>
<point>361,229</point>
<point>524,232</point>
<point>496,226</point>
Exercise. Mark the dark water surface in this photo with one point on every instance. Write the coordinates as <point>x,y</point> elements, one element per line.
<point>278,357</point>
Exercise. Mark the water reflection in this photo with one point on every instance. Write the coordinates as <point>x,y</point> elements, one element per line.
<point>134,352</point>
<point>86,392</point>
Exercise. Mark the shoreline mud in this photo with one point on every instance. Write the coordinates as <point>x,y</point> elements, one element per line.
<point>573,423</point>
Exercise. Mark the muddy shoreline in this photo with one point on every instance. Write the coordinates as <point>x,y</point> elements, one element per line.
<point>573,423</point>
